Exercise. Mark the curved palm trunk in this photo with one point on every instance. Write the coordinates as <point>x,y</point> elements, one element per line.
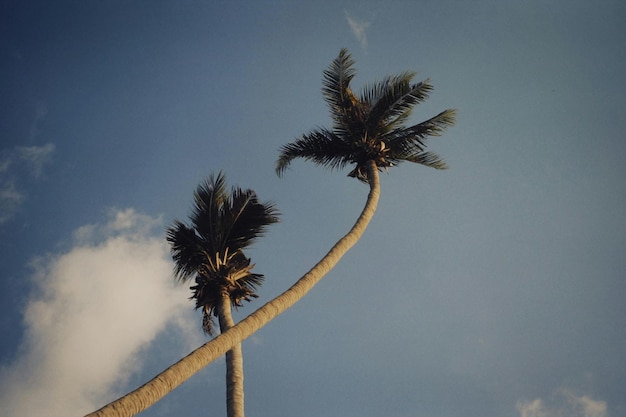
<point>234,363</point>
<point>149,393</point>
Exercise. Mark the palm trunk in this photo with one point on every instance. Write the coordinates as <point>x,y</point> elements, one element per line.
<point>234,363</point>
<point>149,393</point>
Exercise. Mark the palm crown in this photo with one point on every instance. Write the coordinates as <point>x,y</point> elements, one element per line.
<point>211,248</point>
<point>369,127</point>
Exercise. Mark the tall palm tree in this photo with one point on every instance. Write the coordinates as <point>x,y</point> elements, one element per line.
<point>367,133</point>
<point>210,250</point>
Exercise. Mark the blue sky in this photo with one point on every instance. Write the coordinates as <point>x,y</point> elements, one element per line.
<point>495,288</point>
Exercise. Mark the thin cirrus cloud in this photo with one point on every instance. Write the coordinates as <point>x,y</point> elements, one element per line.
<point>94,310</point>
<point>10,199</point>
<point>35,157</point>
<point>358,29</point>
<point>16,166</point>
<point>20,163</point>
<point>564,403</point>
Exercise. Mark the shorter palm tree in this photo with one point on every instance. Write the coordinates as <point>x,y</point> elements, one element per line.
<point>211,251</point>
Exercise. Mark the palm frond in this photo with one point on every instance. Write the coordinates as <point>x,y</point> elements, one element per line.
<point>246,289</point>
<point>185,249</point>
<point>321,146</point>
<point>436,125</point>
<point>382,94</point>
<point>249,218</point>
<point>396,101</point>
<point>234,215</point>
<point>206,293</point>
<point>211,197</point>
<point>416,135</point>
<point>346,109</point>
<point>336,82</point>
<point>428,159</point>
<point>252,281</point>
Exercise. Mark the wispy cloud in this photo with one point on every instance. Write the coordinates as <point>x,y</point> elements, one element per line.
<point>20,163</point>
<point>4,165</point>
<point>95,310</point>
<point>565,403</point>
<point>10,199</point>
<point>358,29</point>
<point>16,166</point>
<point>35,157</point>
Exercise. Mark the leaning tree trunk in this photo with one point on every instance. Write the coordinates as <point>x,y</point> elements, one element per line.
<point>234,363</point>
<point>162,384</point>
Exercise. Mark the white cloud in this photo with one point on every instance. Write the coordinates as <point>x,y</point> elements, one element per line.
<point>358,29</point>
<point>96,308</point>
<point>565,404</point>
<point>127,222</point>
<point>533,408</point>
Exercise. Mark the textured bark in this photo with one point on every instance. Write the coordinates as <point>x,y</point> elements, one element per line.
<point>149,393</point>
<point>234,364</point>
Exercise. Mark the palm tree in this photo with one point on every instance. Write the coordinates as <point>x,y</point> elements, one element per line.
<point>367,133</point>
<point>211,251</point>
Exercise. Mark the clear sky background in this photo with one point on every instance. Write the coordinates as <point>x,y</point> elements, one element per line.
<point>494,289</point>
